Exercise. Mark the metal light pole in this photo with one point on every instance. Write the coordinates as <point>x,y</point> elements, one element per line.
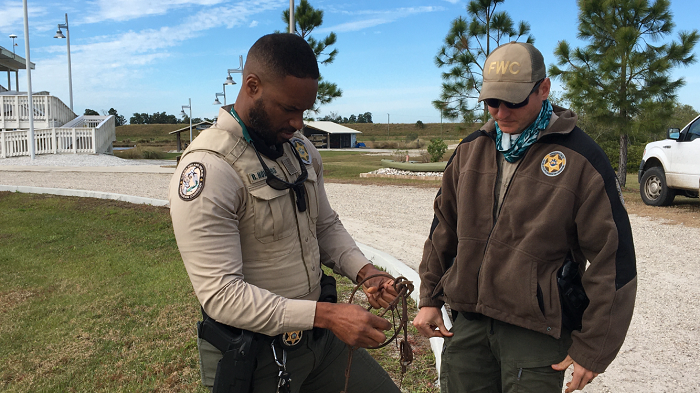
<point>239,70</point>
<point>13,36</point>
<point>30,138</point>
<point>59,34</point>
<point>291,16</point>
<point>183,114</point>
<point>216,100</point>
<point>232,83</point>
<point>387,126</point>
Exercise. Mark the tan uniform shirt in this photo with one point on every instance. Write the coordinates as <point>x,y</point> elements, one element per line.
<point>253,258</point>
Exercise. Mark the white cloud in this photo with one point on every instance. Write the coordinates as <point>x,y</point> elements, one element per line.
<point>376,18</point>
<point>123,10</point>
<point>12,16</point>
<point>453,1</point>
<point>253,23</point>
<point>112,67</point>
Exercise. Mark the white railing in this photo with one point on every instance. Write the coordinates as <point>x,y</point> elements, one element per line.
<point>49,112</point>
<point>87,134</point>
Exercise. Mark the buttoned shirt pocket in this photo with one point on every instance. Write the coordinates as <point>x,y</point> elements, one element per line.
<point>272,209</point>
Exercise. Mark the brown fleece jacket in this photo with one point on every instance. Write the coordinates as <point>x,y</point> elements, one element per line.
<point>563,197</point>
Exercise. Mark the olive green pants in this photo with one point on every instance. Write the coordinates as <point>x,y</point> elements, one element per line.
<point>489,356</point>
<point>317,366</point>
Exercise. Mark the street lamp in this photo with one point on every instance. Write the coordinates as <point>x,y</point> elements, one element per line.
<point>13,36</point>
<point>182,113</point>
<point>239,70</point>
<point>59,34</point>
<point>216,101</point>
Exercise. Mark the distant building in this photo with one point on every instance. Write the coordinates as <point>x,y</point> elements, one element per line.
<point>329,135</point>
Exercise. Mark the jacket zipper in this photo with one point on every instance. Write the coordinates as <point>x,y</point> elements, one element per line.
<point>495,204</point>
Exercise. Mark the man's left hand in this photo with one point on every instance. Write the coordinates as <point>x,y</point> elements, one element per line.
<point>379,290</point>
<point>581,376</point>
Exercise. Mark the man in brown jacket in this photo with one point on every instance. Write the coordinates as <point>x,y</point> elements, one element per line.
<point>531,245</point>
<point>253,225</point>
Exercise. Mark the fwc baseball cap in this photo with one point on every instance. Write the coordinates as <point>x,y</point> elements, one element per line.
<point>511,71</point>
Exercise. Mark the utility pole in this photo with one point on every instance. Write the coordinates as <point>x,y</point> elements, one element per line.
<point>291,17</point>
<point>387,126</point>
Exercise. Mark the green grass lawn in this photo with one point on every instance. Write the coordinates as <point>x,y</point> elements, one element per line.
<point>94,298</point>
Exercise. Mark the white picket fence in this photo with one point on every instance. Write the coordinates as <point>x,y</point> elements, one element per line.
<point>85,134</point>
<point>49,111</point>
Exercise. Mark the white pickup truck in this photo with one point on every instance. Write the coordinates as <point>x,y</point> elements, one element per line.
<point>671,166</point>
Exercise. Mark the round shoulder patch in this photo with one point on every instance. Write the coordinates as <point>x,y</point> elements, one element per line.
<point>300,146</point>
<point>553,163</point>
<point>191,181</point>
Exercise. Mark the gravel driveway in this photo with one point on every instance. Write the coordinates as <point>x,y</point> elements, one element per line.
<point>660,353</point>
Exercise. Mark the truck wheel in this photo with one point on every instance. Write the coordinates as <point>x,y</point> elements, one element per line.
<point>653,189</point>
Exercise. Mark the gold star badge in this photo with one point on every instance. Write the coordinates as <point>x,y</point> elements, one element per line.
<point>291,339</point>
<point>553,163</point>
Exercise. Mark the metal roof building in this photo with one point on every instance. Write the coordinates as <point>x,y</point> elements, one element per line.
<point>327,134</point>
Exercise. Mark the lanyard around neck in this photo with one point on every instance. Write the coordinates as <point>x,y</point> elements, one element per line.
<point>246,134</point>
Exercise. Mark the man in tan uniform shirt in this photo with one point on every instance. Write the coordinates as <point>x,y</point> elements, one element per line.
<point>253,225</point>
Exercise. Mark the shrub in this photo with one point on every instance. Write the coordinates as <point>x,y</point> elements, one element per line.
<point>399,155</point>
<point>419,124</point>
<point>140,153</point>
<point>424,156</point>
<point>152,154</point>
<point>385,145</point>
<point>411,136</point>
<point>437,149</point>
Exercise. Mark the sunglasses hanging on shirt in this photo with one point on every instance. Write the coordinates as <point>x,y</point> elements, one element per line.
<point>279,184</point>
<point>270,178</point>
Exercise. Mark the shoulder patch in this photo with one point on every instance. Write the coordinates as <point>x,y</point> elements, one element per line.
<point>191,181</point>
<point>553,163</point>
<point>299,144</point>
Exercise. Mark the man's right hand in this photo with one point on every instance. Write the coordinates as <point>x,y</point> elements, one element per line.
<point>429,323</point>
<point>352,324</point>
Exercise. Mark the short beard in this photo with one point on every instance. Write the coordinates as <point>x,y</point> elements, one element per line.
<point>260,123</point>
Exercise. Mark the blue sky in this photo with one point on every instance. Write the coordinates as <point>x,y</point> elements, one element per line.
<point>153,55</point>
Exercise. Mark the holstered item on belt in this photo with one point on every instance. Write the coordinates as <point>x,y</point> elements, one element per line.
<point>234,373</point>
<point>571,293</point>
<point>329,293</point>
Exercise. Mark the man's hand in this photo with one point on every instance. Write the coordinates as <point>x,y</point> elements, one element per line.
<point>581,376</point>
<point>352,324</point>
<point>379,290</point>
<point>429,323</point>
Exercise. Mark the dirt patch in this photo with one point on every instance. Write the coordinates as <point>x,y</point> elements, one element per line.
<point>685,211</point>
<point>12,299</point>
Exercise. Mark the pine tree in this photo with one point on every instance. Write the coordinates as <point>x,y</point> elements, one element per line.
<point>464,52</point>
<point>306,19</point>
<point>624,70</point>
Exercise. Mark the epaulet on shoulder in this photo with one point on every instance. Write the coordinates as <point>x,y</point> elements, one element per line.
<point>220,142</point>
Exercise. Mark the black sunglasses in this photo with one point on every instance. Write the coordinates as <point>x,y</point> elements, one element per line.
<point>495,102</point>
<point>279,184</point>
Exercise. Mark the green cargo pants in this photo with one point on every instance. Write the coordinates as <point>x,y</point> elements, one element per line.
<point>317,366</point>
<point>489,356</point>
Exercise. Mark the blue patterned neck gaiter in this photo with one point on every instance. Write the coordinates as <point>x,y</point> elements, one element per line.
<point>527,137</point>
